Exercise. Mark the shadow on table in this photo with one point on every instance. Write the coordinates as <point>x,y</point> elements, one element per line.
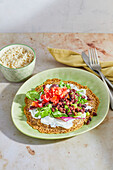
<point>6,124</point>
<point>103,135</point>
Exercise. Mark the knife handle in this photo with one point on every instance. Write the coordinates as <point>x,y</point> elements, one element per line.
<point>109,83</point>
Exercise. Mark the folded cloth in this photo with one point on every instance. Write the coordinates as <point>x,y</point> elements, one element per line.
<point>74,59</point>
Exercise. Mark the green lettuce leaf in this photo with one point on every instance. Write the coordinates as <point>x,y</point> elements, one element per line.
<point>44,111</point>
<point>33,95</point>
<point>59,114</point>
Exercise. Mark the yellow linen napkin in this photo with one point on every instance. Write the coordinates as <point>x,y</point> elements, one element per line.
<point>74,59</point>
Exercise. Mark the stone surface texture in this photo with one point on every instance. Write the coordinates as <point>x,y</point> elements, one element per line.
<point>89,151</point>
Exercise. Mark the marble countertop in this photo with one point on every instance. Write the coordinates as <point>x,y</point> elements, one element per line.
<point>89,151</point>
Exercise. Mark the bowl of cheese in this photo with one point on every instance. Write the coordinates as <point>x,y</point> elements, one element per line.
<point>17,62</point>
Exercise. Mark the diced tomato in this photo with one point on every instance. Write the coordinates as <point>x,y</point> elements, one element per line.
<point>64,92</point>
<point>40,105</point>
<point>37,104</point>
<point>46,90</point>
<point>58,91</point>
<point>33,103</point>
<point>48,95</point>
<point>42,96</point>
<point>52,91</point>
<point>55,99</point>
<point>54,94</point>
<point>64,88</point>
<point>43,102</point>
<point>46,98</point>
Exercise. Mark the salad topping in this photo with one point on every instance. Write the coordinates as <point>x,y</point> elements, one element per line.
<point>59,105</point>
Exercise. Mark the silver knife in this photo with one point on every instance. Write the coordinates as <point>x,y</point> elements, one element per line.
<point>86,60</point>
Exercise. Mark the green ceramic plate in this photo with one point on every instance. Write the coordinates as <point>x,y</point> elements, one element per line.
<point>64,73</point>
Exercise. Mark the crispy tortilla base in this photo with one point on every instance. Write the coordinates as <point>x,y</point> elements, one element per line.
<point>77,123</point>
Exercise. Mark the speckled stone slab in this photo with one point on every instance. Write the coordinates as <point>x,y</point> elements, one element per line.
<point>89,151</point>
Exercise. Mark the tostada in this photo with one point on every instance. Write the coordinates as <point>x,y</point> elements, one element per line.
<point>58,106</point>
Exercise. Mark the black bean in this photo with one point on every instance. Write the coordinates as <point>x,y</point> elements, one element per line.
<point>73,95</point>
<point>77,109</point>
<point>32,107</point>
<point>89,118</point>
<point>88,99</point>
<point>89,110</point>
<point>54,105</point>
<point>61,100</point>
<point>69,99</point>
<point>94,114</point>
<point>84,105</point>
<point>71,91</point>
<point>60,109</point>
<point>83,97</point>
<point>52,109</point>
<point>79,104</point>
<point>88,122</point>
<point>66,95</point>
<point>83,109</point>
<point>71,108</point>
<point>44,86</point>
<point>74,90</point>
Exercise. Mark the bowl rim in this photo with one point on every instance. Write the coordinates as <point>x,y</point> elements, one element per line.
<point>18,45</point>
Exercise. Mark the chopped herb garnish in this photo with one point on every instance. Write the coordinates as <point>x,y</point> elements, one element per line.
<point>62,84</point>
<point>66,107</point>
<point>87,114</point>
<point>68,86</point>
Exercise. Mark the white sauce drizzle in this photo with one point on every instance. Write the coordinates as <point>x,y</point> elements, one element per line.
<point>52,121</point>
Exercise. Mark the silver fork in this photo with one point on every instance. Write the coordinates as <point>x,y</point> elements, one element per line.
<point>94,62</point>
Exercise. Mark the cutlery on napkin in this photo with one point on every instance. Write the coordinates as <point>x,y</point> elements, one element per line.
<point>86,60</point>
<point>74,59</point>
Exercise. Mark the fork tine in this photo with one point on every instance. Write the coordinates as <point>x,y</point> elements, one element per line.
<point>93,56</point>
<point>96,56</point>
<point>89,53</point>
